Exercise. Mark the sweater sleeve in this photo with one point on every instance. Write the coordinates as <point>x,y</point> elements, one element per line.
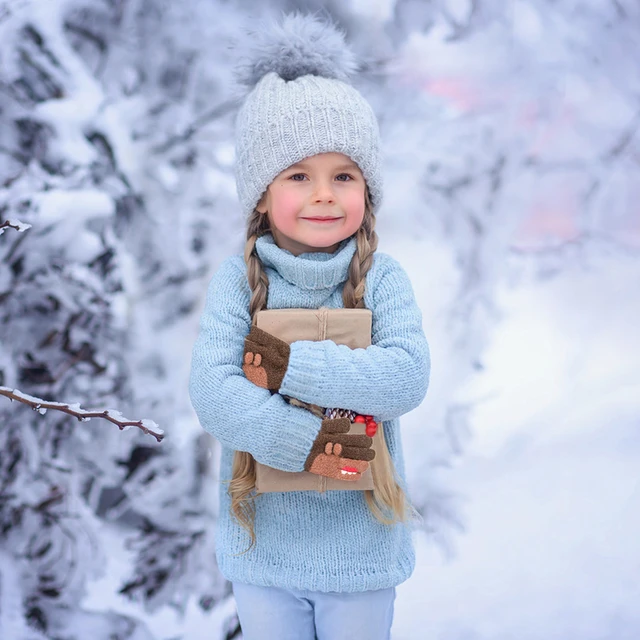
<point>387,379</point>
<point>238,413</point>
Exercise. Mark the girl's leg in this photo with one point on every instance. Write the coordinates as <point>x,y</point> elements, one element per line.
<point>346,616</point>
<point>269,612</point>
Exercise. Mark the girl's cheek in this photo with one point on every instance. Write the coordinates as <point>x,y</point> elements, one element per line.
<point>354,202</point>
<point>285,201</point>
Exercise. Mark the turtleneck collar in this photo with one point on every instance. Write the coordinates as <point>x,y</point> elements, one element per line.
<point>317,270</point>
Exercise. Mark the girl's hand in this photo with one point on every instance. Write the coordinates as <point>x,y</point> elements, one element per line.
<point>265,359</point>
<point>337,454</point>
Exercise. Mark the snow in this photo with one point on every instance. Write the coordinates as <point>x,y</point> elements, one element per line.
<point>24,396</point>
<point>379,9</point>
<point>16,225</point>
<point>77,205</point>
<point>551,551</point>
<point>12,623</point>
<point>166,623</point>
<point>532,502</point>
<point>76,407</point>
<point>225,155</point>
<point>150,424</point>
<point>527,25</point>
<point>550,476</point>
<point>70,114</point>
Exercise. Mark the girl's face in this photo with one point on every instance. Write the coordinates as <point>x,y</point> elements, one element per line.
<point>315,204</point>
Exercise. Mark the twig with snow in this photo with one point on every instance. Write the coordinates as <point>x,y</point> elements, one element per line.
<point>14,224</point>
<point>84,415</point>
<point>215,113</point>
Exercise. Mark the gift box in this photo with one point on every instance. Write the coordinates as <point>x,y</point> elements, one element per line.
<point>351,327</point>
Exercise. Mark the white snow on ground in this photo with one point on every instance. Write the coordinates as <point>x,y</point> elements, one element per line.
<point>551,477</point>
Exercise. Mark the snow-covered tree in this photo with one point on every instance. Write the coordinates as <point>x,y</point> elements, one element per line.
<point>510,138</point>
<point>92,295</point>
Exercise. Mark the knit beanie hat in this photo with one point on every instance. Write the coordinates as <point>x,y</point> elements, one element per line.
<point>300,104</point>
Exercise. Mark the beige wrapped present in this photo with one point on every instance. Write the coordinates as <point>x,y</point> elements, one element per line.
<point>351,327</point>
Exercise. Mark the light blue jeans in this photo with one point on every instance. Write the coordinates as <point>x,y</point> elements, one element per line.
<point>271,613</point>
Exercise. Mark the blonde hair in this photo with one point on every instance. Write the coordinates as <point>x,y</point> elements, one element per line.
<point>387,501</point>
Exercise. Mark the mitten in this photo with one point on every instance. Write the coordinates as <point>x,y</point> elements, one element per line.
<point>337,454</point>
<point>265,359</point>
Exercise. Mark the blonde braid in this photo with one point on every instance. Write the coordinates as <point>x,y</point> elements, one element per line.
<point>387,502</point>
<point>243,473</point>
<point>366,244</point>
<point>257,226</point>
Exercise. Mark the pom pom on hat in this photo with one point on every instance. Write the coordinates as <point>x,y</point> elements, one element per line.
<point>300,45</point>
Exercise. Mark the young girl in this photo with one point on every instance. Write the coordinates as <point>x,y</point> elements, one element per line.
<point>309,564</point>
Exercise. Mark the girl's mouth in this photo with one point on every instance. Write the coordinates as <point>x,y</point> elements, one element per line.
<point>322,219</point>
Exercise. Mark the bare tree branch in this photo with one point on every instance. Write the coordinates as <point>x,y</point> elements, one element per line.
<point>215,113</point>
<point>625,139</point>
<point>83,415</point>
<point>14,224</point>
<point>461,28</point>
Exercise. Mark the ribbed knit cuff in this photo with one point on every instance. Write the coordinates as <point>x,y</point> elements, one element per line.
<point>304,372</point>
<point>291,449</point>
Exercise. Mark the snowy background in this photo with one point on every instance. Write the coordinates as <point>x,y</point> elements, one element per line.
<point>512,153</point>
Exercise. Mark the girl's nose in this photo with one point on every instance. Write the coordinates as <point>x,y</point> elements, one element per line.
<point>323,192</point>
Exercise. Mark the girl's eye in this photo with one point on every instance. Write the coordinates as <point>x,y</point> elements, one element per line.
<point>300,177</point>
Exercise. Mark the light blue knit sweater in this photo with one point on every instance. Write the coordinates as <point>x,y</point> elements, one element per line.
<point>306,539</point>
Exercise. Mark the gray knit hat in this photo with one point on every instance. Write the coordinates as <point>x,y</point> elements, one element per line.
<point>301,104</point>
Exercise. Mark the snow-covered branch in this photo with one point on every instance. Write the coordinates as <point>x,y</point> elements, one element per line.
<point>83,415</point>
<point>14,224</point>
<point>187,134</point>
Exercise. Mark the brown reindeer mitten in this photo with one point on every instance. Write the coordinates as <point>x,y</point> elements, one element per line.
<point>338,454</point>
<point>265,359</point>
